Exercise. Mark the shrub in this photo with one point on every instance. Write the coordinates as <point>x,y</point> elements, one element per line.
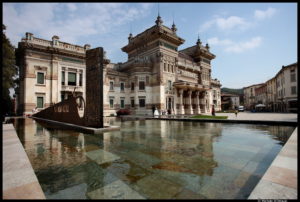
<point>123,112</point>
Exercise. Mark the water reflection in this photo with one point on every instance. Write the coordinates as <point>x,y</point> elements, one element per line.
<point>207,159</point>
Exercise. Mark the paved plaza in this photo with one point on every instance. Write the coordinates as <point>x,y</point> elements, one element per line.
<point>261,116</point>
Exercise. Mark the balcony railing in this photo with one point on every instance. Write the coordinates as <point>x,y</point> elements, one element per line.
<point>71,88</point>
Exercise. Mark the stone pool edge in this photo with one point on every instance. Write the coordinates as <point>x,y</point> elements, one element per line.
<point>283,185</point>
<point>19,179</point>
<point>265,122</point>
<point>80,128</point>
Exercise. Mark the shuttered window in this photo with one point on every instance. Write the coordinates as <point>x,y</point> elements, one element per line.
<point>122,103</point>
<point>141,85</point>
<point>40,78</point>
<point>40,102</point>
<point>142,102</point>
<point>62,78</point>
<point>71,79</point>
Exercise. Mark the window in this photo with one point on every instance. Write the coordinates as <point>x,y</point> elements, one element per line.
<point>80,79</point>
<point>165,68</point>
<point>111,103</point>
<point>122,103</point>
<point>142,85</point>
<point>293,76</point>
<point>71,79</point>
<point>132,86</point>
<point>172,68</point>
<point>62,96</point>
<point>63,78</point>
<point>132,102</point>
<point>111,85</point>
<point>169,85</point>
<point>122,87</point>
<point>40,78</point>
<point>168,67</point>
<point>142,102</point>
<point>40,102</point>
<point>293,90</point>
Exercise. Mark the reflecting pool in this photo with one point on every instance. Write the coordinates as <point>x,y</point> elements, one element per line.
<point>151,159</point>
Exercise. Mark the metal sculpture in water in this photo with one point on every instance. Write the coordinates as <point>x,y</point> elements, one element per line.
<point>71,111</point>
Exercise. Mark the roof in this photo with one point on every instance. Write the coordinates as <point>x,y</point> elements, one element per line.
<point>285,67</point>
<point>254,85</point>
<point>228,95</point>
<point>185,56</point>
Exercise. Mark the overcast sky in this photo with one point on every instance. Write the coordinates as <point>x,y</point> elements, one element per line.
<point>251,41</point>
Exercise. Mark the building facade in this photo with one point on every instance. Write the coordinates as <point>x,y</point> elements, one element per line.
<point>49,71</point>
<point>271,94</point>
<point>156,74</point>
<point>230,101</point>
<point>261,94</point>
<point>287,88</point>
<point>249,96</point>
<point>279,94</point>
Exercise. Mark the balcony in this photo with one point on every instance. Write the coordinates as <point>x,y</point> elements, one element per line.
<point>71,88</point>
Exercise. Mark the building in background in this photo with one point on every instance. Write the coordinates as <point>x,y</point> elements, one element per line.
<point>271,94</point>
<point>216,94</point>
<point>249,96</point>
<point>156,74</point>
<point>286,89</point>
<point>261,98</point>
<point>230,101</point>
<point>278,94</point>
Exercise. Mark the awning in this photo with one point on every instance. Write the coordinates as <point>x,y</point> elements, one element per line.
<point>260,105</point>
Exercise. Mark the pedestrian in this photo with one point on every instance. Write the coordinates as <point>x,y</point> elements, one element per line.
<point>236,112</point>
<point>153,109</point>
<point>213,111</point>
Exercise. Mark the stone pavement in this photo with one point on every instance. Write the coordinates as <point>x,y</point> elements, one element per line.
<point>280,180</point>
<point>19,179</point>
<point>261,116</point>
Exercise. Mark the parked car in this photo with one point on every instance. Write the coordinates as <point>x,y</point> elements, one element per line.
<point>241,108</point>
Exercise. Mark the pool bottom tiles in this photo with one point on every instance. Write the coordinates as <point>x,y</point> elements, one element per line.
<point>151,159</point>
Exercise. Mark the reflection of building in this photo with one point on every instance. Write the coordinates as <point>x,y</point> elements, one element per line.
<point>230,101</point>
<point>156,74</point>
<point>49,72</point>
<point>50,148</point>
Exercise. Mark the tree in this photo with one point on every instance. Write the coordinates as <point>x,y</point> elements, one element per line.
<point>9,71</point>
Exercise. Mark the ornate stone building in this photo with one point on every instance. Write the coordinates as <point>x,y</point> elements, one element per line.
<point>49,72</point>
<point>155,74</point>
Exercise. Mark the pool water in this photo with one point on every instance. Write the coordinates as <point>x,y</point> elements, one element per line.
<point>151,159</point>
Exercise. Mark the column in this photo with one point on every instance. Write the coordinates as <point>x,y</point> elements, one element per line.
<point>174,106</point>
<point>77,77</point>
<point>181,107</point>
<point>190,107</point>
<point>66,77</point>
<point>197,103</point>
